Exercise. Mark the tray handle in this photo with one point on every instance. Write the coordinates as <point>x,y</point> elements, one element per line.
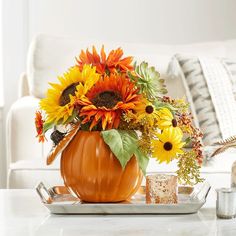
<point>201,191</point>
<point>44,194</point>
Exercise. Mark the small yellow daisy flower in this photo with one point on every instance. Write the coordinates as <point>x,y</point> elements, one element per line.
<point>168,145</point>
<point>166,119</point>
<point>146,112</point>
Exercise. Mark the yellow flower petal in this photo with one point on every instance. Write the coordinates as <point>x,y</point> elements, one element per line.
<point>168,145</point>
<point>143,116</point>
<point>82,80</point>
<point>165,118</point>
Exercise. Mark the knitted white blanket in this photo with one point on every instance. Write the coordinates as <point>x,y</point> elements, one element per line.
<point>220,88</point>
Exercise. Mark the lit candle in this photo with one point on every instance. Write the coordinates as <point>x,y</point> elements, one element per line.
<point>161,189</point>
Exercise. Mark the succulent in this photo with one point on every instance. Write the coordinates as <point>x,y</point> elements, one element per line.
<point>148,80</point>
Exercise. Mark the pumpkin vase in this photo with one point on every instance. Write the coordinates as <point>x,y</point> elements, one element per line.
<point>92,172</point>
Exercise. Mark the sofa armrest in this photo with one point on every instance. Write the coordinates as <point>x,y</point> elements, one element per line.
<point>21,141</point>
<point>23,86</point>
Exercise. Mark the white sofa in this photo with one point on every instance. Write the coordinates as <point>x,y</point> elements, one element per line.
<point>50,56</point>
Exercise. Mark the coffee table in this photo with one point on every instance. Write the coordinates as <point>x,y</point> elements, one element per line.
<point>22,213</point>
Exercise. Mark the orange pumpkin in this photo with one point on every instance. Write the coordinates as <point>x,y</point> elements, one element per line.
<point>92,172</point>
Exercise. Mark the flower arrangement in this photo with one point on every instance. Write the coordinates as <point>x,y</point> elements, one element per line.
<point>126,103</point>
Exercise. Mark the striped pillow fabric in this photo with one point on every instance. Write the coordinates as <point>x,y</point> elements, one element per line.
<point>230,66</point>
<point>210,86</point>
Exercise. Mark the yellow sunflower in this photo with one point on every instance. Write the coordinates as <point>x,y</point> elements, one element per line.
<point>168,145</point>
<point>166,119</point>
<point>107,100</point>
<point>60,100</point>
<point>146,112</point>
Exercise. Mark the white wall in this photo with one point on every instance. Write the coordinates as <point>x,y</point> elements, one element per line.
<point>15,36</point>
<point>1,77</point>
<point>151,21</point>
<point>146,21</point>
<point>1,90</point>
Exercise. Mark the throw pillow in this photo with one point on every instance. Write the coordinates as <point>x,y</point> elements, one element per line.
<point>210,85</point>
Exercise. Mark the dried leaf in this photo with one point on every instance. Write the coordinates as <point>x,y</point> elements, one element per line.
<point>223,149</point>
<point>229,140</point>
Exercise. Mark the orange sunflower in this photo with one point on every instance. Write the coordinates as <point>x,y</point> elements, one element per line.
<point>108,100</point>
<point>39,126</point>
<point>105,64</point>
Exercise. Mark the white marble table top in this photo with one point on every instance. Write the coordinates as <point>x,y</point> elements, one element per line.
<point>22,213</point>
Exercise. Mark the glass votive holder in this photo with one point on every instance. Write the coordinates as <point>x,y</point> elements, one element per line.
<point>226,203</point>
<point>161,189</point>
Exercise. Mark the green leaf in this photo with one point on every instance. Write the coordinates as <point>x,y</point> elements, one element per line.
<point>122,143</point>
<point>72,117</point>
<point>142,160</point>
<point>132,77</point>
<point>160,105</point>
<point>47,126</point>
<point>187,140</point>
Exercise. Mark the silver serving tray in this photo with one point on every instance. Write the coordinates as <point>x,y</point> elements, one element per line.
<point>59,201</point>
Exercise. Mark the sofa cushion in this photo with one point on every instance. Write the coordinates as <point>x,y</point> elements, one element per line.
<point>220,163</point>
<point>50,56</point>
<point>18,179</point>
<point>28,173</point>
<point>35,164</point>
<point>22,143</point>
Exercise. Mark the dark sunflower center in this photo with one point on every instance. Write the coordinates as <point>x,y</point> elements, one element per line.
<point>107,99</point>
<point>149,109</point>
<point>174,122</point>
<point>168,146</point>
<point>65,98</point>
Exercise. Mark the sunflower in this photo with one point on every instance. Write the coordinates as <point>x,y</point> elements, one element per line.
<point>166,119</point>
<point>105,64</point>
<point>168,145</point>
<point>108,100</point>
<point>39,126</point>
<point>58,103</point>
<point>146,112</point>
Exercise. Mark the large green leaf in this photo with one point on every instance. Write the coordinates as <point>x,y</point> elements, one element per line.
<point>142,160</point>
<point>122,143</point>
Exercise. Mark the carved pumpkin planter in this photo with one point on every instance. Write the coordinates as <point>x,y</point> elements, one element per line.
<point>92,172</point>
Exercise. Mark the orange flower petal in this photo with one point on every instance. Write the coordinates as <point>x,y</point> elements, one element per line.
<point>110,116</point>
<point>112,63</point>
<point>103,55</point>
